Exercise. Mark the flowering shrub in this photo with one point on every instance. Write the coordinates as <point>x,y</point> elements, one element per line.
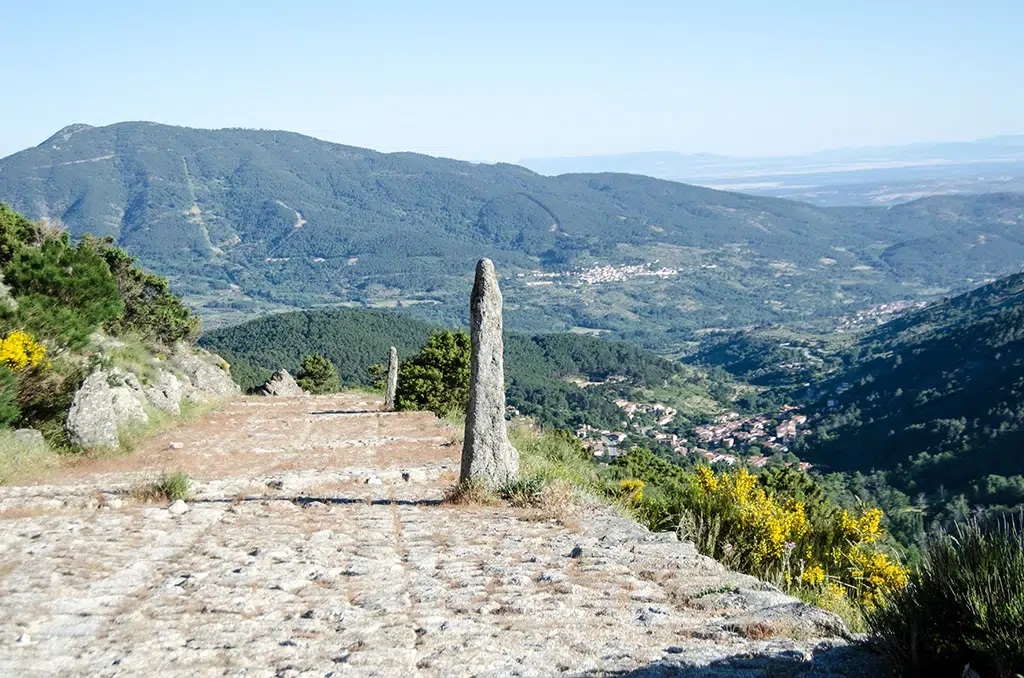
<point>631,491</point>
<point>19,350</point>
<point>770,535</point>
<point>757,531</point>
<point>770,532</point>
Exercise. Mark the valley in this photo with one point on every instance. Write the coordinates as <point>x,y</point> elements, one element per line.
<point>768,303</point>
<point>247,222</point>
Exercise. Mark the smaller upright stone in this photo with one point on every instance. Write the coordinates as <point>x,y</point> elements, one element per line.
<point>487,454</point>
<point>389,395</point>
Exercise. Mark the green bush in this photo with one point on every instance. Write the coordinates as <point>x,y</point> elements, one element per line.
<point>15,232</point>
<point>151,310</point>
<point>965,605</point>
<point>64,293</point>
<point>644,465</point>
<point>438,378</point>
<point>318,375</point>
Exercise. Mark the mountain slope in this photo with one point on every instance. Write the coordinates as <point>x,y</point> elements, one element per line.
<point>247,221</point>
<point>937,396</point>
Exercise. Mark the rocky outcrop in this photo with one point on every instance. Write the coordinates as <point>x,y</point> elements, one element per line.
<point>127,406</point>
<point>203,371</point>
<point>112,399</point>
<point>392,384</point>
<point>281,384</point>
<point>91,422</point>
<point>165,393</point>
<point>6,300</point>
<point>487,455</point>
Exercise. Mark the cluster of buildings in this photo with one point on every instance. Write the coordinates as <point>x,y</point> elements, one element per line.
<point>728,439</point>
<point>877,315</point>
<point>732,431</point>
<point>601,274</point>
<point>602,443</point>
<point>663,414</point>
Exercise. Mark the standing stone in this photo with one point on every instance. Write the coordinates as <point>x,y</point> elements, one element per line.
<point>487,454</point>
<point>389,395</point>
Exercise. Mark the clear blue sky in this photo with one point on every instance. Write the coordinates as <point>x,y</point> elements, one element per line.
<point>483,80</point>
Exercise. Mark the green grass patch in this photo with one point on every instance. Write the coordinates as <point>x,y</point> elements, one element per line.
<point>22,459</point>
<point>554,455</point>
<point>168,487</point>
<point>523,491</point>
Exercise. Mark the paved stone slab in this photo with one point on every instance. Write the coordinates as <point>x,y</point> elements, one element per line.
<point>289,563</point>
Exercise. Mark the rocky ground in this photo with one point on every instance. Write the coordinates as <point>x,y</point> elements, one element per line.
<point>316,544</point>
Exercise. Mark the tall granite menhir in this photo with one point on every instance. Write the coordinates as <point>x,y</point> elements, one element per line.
<point>389,395</point>
<point>487,455</point>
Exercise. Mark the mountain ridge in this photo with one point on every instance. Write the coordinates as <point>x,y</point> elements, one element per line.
<point>216,211</point>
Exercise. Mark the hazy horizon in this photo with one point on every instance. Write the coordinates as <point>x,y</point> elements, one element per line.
<point>491,84</point>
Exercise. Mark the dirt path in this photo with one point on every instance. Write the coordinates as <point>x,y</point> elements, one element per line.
<point>288,562</point>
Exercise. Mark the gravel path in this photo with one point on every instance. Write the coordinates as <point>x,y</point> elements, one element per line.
<point>287,562</point>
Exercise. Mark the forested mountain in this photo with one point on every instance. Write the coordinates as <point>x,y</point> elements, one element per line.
<point>539,370</point>
<point>936,397</point>
<point>246,221</point>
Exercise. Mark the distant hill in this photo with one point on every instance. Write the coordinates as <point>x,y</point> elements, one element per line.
<point>247,221</point>
<point>539,370</point>
<point>936,397</point>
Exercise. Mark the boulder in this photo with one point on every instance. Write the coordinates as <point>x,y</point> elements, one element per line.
<point>204,371</point>
<point>30,437</point>
<point>281,384</point>
<point>91,422</point>
<point>117,377</point>
<point>128,409</point>
<point>6,300</point>
<point>165,393</point>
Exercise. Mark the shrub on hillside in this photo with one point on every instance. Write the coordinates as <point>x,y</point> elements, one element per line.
<point>151,310</point>
<point>15,231</point>
<point>318,375</point>
<point>964,606</point>
<point>777,527</point>
<point>64,293</point>
<point>437,379</point>
<point>19,350</point>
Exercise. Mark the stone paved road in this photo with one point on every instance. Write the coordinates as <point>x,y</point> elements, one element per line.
<point>288,563</point>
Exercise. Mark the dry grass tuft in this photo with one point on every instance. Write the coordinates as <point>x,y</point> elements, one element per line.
<point>165,488</point>
<point>470,494</point>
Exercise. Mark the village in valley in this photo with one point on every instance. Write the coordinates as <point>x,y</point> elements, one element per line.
<point>600,274</point>
<point>730,438</point>
<point>876,315</point>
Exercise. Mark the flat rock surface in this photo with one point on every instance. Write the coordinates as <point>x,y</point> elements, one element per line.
<point>287,562</point>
